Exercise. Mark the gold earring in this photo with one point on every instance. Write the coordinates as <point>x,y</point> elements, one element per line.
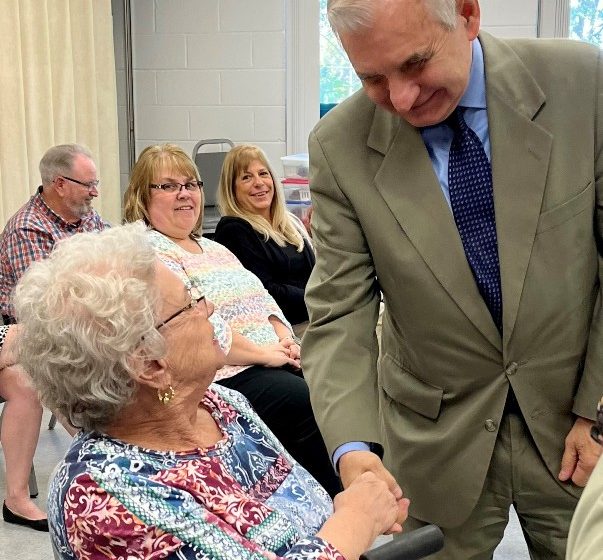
<point>166,396</point>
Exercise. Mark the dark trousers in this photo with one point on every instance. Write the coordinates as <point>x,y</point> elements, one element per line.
<point>282,401</point>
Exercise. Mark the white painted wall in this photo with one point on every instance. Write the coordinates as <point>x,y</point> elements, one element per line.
<point>210,69</point>
<point>510,18</point>
<point>216,68</point>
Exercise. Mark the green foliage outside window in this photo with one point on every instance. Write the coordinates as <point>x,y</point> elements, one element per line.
<point>586,21</point>
<point>337,77</point>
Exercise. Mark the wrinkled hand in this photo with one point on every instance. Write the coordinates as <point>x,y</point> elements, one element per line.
<point>277,355</point>
<point>293,347</point>
<point>8,354</point>
<point>369,497</point>
<point>580,455</point>
<point>354,464</point>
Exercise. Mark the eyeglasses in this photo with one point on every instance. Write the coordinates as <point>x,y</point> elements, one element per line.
<point>196,299</point>
<point>191,186</point>
<point>89,185</point>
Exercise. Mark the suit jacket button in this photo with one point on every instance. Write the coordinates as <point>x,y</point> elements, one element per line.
<point>490,425</point>
<point>511,368</point>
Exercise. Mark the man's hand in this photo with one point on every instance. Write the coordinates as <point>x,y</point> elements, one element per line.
<point>581,453</point>
<point>354,463</point>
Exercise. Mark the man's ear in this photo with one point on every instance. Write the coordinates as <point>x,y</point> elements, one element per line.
<point>470,12</point>
<point>59,185</point>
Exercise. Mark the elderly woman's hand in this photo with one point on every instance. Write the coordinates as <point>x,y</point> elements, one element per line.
<point>366,509</point>
<point>370,498</point>
<point>277,355</point>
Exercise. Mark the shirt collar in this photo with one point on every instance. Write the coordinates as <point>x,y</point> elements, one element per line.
<point>475,94</point>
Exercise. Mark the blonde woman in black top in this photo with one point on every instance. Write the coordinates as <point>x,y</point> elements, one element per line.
<point>256,226</point>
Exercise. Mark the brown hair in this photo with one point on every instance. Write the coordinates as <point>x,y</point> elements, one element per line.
<point>150,161</point>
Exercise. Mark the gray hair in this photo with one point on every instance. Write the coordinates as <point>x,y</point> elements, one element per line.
<point>350,15</point>
<point>88,313</point>
<point>58,160</point>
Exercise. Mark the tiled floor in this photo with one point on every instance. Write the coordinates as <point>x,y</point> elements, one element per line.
<point>18,543</point>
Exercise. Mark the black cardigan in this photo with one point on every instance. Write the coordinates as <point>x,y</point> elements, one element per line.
<point>283,273</point>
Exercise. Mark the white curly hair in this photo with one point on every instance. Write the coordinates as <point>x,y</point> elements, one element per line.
<point>88,313</point>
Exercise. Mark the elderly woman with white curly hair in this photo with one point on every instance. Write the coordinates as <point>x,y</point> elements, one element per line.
<point>167,465</point>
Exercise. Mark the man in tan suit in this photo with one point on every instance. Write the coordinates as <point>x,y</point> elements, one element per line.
<point>492,342</point>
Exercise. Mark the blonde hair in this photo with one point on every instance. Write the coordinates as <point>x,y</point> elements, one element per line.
<point>150,161</point>
<point>282,228</point>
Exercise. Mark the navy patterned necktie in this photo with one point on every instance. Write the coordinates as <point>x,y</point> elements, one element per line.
<point>472,201</point>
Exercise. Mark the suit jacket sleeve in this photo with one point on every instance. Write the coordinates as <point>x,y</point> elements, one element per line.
<point>238,236</point>
<point>339,350</point>
<point>589,390</point>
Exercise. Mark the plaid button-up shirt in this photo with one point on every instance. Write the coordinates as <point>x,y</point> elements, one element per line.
<point>30,235</point>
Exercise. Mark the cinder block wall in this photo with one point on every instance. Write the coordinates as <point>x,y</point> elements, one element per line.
<point>216,68</point>
<point>210,69</point>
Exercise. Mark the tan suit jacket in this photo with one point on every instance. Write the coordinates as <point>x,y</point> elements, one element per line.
<point>585,540</point>
<point>381,223</point>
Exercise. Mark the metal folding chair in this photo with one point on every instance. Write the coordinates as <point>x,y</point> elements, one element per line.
<point>209,165</point>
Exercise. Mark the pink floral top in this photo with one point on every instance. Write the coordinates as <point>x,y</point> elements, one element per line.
<point>244,498</point>
<point>240,299</point>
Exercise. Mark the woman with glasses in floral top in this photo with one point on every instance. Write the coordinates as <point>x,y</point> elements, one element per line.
<point>165,191</point>
<point>167,465</point>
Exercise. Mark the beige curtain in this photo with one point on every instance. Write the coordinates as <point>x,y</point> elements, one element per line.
<point>57,85</point>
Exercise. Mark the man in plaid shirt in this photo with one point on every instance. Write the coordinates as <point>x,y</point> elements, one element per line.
<point>61,207</point>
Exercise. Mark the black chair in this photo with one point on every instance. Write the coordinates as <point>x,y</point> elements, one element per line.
<point>410,546</point>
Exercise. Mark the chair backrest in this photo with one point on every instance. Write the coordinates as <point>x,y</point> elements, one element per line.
<point>209,165</point>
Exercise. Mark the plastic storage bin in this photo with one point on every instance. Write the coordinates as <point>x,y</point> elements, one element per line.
<point>300,209</point>
<point>297,165</point>
<point>297,196</point>
<point>296,190</point>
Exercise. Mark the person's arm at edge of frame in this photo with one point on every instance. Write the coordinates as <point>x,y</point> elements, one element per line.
<point>328,200</point>
<point>581,452</point>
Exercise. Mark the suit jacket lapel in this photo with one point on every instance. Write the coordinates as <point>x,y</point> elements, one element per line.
<point>520,161</point>
<point>520,158</point>
<point>410,188</point>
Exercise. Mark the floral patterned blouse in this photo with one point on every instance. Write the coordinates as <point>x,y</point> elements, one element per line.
<point>243,498</point>
<point>240,299</point>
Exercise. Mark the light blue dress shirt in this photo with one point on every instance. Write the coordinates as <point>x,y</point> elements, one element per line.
<point>437,139</point>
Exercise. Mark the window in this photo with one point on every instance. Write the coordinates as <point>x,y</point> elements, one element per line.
<point>337,77</point>
<point>586,21</point>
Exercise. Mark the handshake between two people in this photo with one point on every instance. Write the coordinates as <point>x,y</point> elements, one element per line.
<point>372,504</point>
